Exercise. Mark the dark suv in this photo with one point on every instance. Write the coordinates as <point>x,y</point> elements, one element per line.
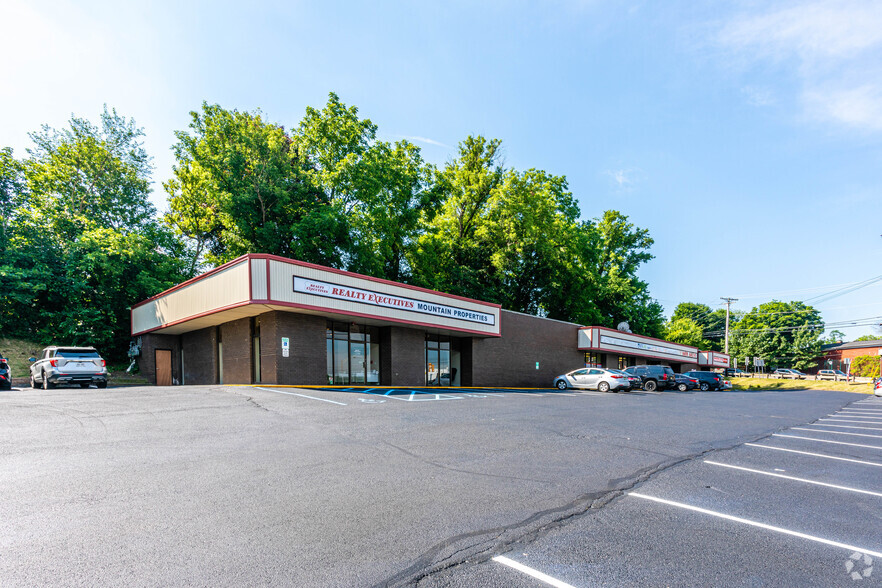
<point>707,380</point>
<point>654,376</point>
<point>5,374</point>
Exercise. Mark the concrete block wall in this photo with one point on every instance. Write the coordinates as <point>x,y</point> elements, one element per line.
<point>147,362</point>
<point>200,356</point>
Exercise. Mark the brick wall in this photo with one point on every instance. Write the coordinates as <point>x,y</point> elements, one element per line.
<point>147,362</point>
<point>307,363</point>
<point>236,339</point>
<point>407,351</point>
<point>200,356</point>
<point>510,360</point>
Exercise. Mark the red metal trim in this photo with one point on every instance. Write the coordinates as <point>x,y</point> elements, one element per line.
<point>193,317</point>
<point>250,280</point>
<point>685,359</point>
<point>641,336</point>
<point>321,309</point>
<point>368,278</point>
<point>211,272</point>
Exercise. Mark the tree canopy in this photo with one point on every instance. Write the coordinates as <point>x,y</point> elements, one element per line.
<point>81,241</point>
<point>784,334</point>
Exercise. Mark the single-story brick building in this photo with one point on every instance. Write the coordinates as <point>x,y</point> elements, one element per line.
<point>267,319</point>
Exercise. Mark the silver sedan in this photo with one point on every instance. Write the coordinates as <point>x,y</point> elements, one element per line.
<point>599,379</point>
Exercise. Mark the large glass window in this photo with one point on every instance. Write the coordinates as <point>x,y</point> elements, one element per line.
<point>353,354</point>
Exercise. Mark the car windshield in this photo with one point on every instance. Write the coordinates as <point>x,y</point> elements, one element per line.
<point>71,354</point>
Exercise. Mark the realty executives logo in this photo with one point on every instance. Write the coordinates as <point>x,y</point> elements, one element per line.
<point>859,566</point>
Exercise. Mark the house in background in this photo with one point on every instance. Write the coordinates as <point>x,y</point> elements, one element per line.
<point>838,356</point>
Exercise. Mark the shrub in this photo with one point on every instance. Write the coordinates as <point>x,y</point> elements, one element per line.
<point>866,366</point>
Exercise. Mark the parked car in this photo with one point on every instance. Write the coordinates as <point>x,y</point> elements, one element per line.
<point>877,388</point>
<point>734,373</point>
<point>68,365</point>
<point>599,379</point>
<point>5,375</point>
<point>654,376</point>
<point>788,373</point>
<point>831,375</point>
<point>635,381</point>
<point>707,380</point>
<point>684,382</point>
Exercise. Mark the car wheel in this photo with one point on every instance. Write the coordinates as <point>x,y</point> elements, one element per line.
<point>704,387</point>
<point>47,385</point>
<point>650,386</point>
<point>101,384</point>
<point>603,387</point>
<point>561,385</point>
<point>681,387</point>
<point>33,383</point>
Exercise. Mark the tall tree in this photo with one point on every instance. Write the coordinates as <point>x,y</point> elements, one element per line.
<point>784,334</point>
<point>83,242</point>
<point>240,186</point>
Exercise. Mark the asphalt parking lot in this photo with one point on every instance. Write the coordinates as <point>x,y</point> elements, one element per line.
<point>214,485</point>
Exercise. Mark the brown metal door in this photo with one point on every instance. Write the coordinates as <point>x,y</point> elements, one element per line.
<point>163,367</point>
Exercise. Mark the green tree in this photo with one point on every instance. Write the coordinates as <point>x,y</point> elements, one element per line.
<point>835,336</point>
<point>685,331</point>
<point>452,256</point>
<point>869,338</point>
<point>712,322</point>
<point>83,243</point>
<point>621,295</point>
<point>784,334</point>
<point>240,186</point>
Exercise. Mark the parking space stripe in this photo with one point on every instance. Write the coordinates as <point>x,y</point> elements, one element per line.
<point>851,421</point>
<point>856,415</point>
<point>827,441</point>
<point>835,432</point>
<point>735,467</point>
<point>860,461</point>
<point>301,395</point>
<point>845,427</point>
<point>531,572</point>
<point>759,525</point>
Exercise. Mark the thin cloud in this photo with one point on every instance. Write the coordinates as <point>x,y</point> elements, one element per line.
<point>834,49</point>
<point>427,141</point>
<point>622,179</point>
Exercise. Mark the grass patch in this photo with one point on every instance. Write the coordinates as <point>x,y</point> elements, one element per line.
<point>770,384</point>
<point>17,351</point>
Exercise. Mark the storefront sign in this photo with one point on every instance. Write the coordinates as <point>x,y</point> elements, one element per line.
<point>339,292</point>
<point>617,342</point>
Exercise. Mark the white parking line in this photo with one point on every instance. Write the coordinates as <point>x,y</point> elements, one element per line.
<point>734,467</point>
<point>861,461</point>
<point>827,441</point>
<point>845,427</point>
<point>301,395</point>
<point>835,432</point>
<point>850,421</point>
<point>856,415</point>
<point>758,524</point>
<point>531,572</point>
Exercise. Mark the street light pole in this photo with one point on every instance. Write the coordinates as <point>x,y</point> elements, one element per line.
<point>728,302</point>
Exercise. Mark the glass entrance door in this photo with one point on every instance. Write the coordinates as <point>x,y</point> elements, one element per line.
<point>437,361</point>
<point>357,363</point>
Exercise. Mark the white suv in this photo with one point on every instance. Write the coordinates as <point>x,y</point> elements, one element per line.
<point>68,365</point>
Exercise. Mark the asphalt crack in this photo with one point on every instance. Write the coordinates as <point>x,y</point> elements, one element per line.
<point>449,553</point>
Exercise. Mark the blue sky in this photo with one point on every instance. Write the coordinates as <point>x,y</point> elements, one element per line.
<point>746,136</point>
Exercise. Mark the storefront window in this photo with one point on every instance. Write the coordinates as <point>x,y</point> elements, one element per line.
<point>623,362</point>
<point>353,354</point>
<point>593,360</point>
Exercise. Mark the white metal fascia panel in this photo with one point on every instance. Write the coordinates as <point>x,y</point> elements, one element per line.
<point>584,341</point>
<point>628,343</point>
<point>258,279</point>
<point>215,292</point>
<point>282,290</point>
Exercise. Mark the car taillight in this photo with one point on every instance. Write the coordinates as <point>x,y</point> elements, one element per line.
<point>53,362</point>
<point>617,377</point>
<point>103,363</point>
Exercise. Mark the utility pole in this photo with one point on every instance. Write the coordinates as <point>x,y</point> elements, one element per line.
<point>728,302</point>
